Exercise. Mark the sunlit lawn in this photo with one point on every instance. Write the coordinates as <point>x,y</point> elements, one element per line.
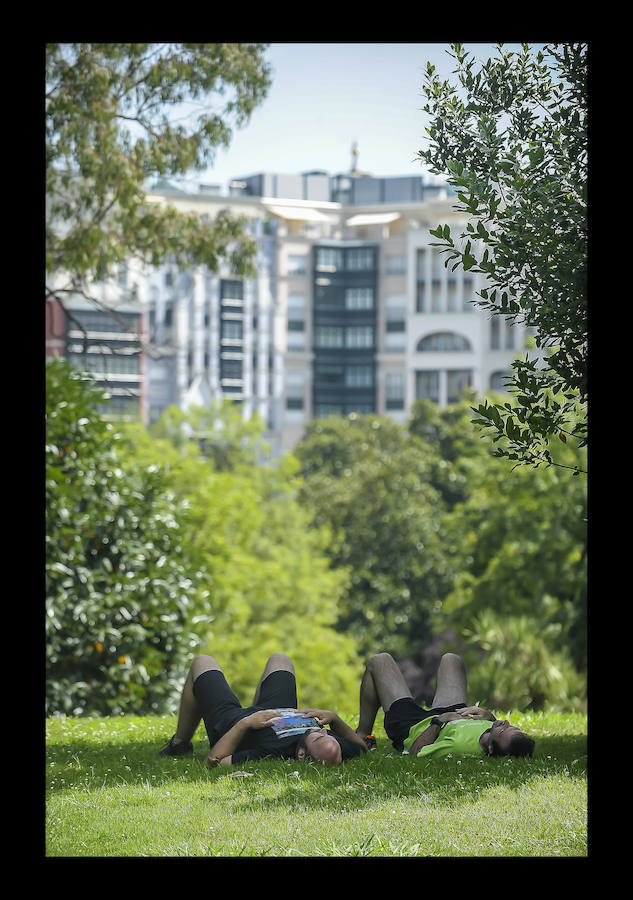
<point>108,794</point>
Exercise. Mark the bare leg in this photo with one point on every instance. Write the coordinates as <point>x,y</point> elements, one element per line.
<point>278,662</point>
<point>189,714</point>
<point>382,684</point>
<point>451,681</point>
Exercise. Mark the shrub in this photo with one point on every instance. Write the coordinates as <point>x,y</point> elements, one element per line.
<point>117,593</point>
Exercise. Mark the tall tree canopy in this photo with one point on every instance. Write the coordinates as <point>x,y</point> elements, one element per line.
<point>119,115</point>
<point>511,138</point>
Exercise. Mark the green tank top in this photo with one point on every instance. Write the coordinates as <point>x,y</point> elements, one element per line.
<point>459,737</point>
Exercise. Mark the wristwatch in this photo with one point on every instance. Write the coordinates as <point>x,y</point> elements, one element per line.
<point>436,721</point>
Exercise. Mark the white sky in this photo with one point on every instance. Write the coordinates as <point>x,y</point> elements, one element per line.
<point>326,96</point>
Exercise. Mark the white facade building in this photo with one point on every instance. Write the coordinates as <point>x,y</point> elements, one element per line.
<point>351,308</point>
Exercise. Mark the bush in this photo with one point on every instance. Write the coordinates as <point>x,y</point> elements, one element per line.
<point>117,594</point>
<point>513,665</point>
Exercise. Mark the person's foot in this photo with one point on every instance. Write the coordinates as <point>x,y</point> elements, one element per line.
<point>176,748</point>
<point>369,739</point>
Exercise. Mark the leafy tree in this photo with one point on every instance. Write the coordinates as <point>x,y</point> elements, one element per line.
<point>119,115</point>
<point>220,431</point>
<point>370,482</point>
<point>457,448</point>
<point>117,592</point>
<point>512,140</point>
<point>518,549</point>
<point>266,583</point>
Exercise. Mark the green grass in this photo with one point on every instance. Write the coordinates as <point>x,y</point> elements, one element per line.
<point>108,794</point>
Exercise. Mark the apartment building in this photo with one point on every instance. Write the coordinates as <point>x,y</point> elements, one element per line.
<point>351,309</point>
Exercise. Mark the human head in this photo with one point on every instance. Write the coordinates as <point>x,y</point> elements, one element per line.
<point>318,744</point>
<point>504,739</point>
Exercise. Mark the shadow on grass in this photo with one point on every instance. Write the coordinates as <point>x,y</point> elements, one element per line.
<point>308,786</point>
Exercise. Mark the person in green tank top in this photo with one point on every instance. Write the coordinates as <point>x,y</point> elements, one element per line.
<point>449,727</point>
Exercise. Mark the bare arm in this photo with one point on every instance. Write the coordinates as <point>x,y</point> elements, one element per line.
<point>430,734</point>
<point>222,750</point>
<point>476,712</point>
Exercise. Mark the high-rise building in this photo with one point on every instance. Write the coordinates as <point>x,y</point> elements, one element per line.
<point>352,308</point>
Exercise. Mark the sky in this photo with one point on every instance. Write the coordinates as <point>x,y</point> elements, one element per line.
<point>326,96</point>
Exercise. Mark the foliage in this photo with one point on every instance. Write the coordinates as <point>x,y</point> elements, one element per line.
<point>518,545</point>
<point>514,145</point>
<point>268,585</point>
<point>116,117</point>
<point>512,545</point>
<point>521,662</point>
<point>457,450</point>
<point>220,430</point>
<point>370,482</point>
<point>117,594</point>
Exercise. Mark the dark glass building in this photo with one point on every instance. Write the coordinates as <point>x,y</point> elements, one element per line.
<point>344,328</point>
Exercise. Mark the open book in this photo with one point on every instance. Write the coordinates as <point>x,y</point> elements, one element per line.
<point>291,723</point>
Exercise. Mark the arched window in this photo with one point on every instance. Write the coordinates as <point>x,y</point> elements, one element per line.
<point>498,381</point>
<point>443,341</point>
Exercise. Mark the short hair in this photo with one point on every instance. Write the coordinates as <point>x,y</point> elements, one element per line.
<point>519,744</point>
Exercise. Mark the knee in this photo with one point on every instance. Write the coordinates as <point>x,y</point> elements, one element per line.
<point>278,661</point>
<point>202,663</point>
<point>379,659</point>
<point>202,659</point>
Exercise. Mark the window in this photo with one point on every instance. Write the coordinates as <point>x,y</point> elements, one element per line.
<point>359,376</point>
<point>396,265</point>
<point>328,336</point>
<point>395,307</point>
<point>329,258</point>
<point>328,375</point>
<point>427,385</point>
<point>452,297</point>
<point>294,397</point>
<point>360,259</point>
<point>437,264</point>
<point>467,302</point>
<point>231,368</point>
<point>231,289</point>
<point>102,322</point>
<point>106,363</point>
<point>359,298</point>
<point>498,381</point>
<point>359,336</point>
<point>296,306</point>
<point>495,333</point>
<point>421,265</point>
<point>394,384</point>
<point>456,383</point>
<point>501,326</point>
<point>296,322</point>
<point>443,341</point>
<point>232,329</point>
<point>296,265</point>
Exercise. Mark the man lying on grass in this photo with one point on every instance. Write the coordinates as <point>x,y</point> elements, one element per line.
<point>237,733</point>
<point>449,727</point>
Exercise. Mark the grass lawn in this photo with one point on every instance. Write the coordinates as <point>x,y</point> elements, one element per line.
<point>109,795</point>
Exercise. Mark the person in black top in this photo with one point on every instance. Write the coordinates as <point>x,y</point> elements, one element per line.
<point>237,734</point>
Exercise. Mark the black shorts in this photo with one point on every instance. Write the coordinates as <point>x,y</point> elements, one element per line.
<point>404,713</point>
<point>221,709</point>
